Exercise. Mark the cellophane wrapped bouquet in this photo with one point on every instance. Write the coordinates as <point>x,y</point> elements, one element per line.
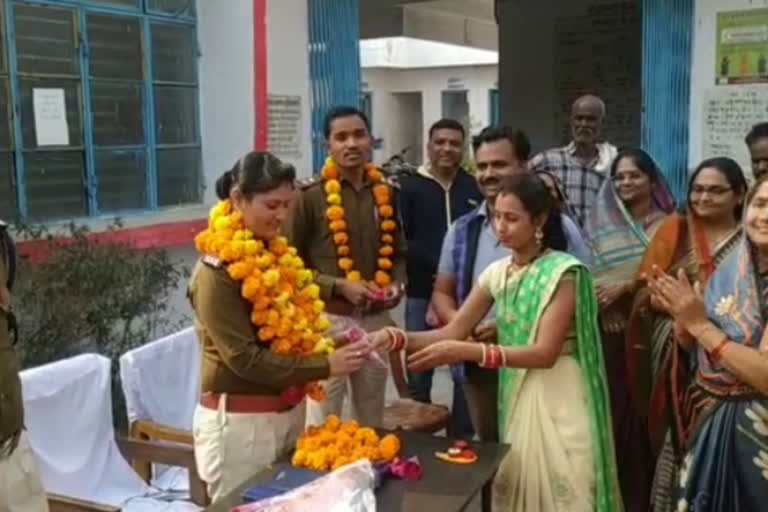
<point>348,489</point>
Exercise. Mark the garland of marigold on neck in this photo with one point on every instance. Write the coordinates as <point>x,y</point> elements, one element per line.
<point>337,223</point>
<point>286,305</point>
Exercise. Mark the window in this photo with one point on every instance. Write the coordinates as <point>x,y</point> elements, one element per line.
<point>127,72</point>
<point>494,116</point>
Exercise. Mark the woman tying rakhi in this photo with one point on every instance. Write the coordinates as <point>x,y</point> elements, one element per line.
<point>553,401</point>
<point>697,241</point>
<point>724,420</point>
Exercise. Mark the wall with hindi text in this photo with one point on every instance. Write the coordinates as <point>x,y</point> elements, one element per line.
<point>721,113</point>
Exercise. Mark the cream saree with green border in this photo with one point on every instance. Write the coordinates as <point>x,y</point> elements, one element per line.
<point>557,420</point>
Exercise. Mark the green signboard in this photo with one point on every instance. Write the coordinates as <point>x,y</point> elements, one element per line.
<point>742,47</point>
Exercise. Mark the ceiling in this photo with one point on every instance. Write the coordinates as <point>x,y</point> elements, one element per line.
<point>464,22</point>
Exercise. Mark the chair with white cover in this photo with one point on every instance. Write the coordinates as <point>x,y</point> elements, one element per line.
<point>161,384</point>
<point>68,415</point>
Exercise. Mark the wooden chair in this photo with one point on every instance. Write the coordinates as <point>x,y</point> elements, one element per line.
<point>408,414</point>
<point>59,503</point>
<point>177,449</point>
<point>157,420</point>
<point>171,454</point>
<point>139,451</point>
<point>83,464</point>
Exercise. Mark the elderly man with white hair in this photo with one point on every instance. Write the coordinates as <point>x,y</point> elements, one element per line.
<point>583,164</point>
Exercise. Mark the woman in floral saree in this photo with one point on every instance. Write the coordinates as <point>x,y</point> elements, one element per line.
<point>697,241</point>
<point>725,414</point>
<point>629,208</point>
<point>553,401</point>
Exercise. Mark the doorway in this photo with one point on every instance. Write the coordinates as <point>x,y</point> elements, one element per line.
<point>406,133</point>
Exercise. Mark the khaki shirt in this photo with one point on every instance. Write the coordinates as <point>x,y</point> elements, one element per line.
<point>307,229</point>
<point>11,405</point>
<point>233,359</point>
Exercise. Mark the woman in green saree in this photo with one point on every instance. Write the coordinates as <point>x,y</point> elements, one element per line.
<point>696,241</point>
<point>553,399</point>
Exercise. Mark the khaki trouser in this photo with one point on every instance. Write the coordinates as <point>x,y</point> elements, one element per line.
<point>20,486</point>
<point>232,447</point>
<point>367,386</point>
<point>481,391</point>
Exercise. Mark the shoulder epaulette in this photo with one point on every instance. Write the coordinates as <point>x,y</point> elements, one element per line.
<point>212,261</point>
<point>308,182</point>
<point>392,181</point>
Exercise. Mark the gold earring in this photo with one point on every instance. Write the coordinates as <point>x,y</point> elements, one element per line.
<point>539,236</point>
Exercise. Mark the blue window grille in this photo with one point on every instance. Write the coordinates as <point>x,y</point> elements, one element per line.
<point>667,40</point>
<point>494,115</point>
<point>334,63</point>
<point>128,70</point>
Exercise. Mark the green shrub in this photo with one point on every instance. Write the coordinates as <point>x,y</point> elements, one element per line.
<point>90,296</point>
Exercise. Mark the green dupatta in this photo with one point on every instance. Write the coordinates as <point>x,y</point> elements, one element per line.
<point>519,311</point>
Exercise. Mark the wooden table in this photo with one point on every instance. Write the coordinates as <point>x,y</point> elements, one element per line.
<point>445,487</point>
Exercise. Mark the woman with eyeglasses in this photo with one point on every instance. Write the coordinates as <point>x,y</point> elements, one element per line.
<point>695,240</point>
<point>629,208</point>
<point>724,425</point>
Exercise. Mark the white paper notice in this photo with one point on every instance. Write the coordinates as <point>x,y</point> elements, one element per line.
<point>50,117</point>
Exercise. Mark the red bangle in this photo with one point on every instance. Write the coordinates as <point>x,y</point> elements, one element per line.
<point>397,338</point>
<point>493,356</point>
<point>717,353</point>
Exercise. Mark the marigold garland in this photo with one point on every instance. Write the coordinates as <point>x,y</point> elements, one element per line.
<point>286,300</point>
<point>338,225</point>
<point>336,444</point>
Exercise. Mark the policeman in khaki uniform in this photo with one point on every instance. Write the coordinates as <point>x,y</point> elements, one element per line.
<point>20,486</point>
<point>242,424</point>
<point>348,141</point>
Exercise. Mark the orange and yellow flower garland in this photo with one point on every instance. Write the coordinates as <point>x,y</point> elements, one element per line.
<point>338,224</point>
<point>336,444</point>
<point>286,301</point>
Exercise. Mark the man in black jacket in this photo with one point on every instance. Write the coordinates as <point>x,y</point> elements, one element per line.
<point>431,199</point>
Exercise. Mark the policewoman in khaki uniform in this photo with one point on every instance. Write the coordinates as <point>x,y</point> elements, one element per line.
<point>242,424</point>
<point>20,486</point>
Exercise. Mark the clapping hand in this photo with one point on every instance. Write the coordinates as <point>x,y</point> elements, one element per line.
<point>683,301</point>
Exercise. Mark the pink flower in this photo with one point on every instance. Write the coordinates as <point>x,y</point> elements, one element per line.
<point>408,469</point>
<point>356,334</point>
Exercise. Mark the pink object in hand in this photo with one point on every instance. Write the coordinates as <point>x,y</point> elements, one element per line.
<point>356,335</point>
<point>431,318</point>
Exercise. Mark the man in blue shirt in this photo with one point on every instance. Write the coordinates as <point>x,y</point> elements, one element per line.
<point>470,245</point>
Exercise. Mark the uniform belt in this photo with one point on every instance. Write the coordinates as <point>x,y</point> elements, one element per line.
<point>245,403</point>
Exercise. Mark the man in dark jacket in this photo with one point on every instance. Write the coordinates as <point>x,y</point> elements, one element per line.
<point>431,199</point>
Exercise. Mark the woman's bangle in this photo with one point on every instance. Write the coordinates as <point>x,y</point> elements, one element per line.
<point>493,356</point>
<point>397,339</point>
<point>716,354</point>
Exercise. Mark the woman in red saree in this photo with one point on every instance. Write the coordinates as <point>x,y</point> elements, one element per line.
<point>696,240</point>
